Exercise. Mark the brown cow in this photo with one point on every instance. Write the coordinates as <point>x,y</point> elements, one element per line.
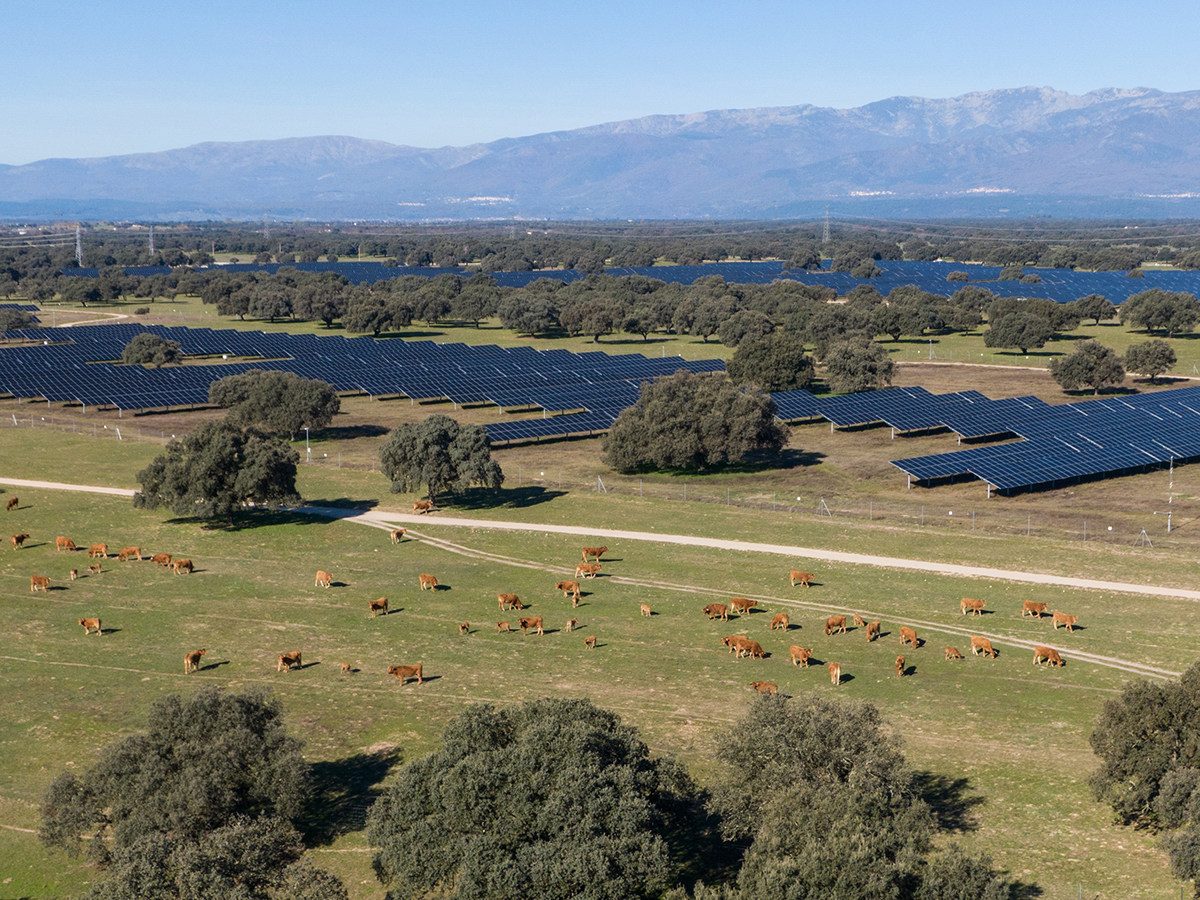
<point>764,687</point>
<point>835,673</point>
<point>98,551</point>
<point>899,666</point>
<point>406,672</point>
<point>781,621</point>
<point>323,579</point>
<point>646,611</point>
<point>982,645</point>
<point>572,624</point>
<point>191,661</point>
<point>464,627</point>
<point>289,660</point>
<point>801,656</point>
<point>64,543</point>
<point>734,642</point>
<point>594,551</point>
<point>507,601</point>
<point>742,605</point>
<point>378,606</point>
<point>427,581</point>
<point>754,650</point>
<point>872,631</point>
<point>952,653</point>
<point>423,506</point>
<point>1030,608</point>
<point>717,611</point>
<point>534,622</point>
<point>804,578</point>
<point>590,642</point>
<point>12,504</point>
<point>162,559</point>
<point>39,583</point>
<point>129,553</point>
<point>18,540</point>
<point>346,668</point>
<point>587,570</point>
<point>835,623</point>
<point>908,636</point>
<point>858,621</point>
<point>502,626</point>
<point>569,589</point>
<point>89,624</point>
<point>179,566</point>
<point>1061,618</point>
<point>1049,654</point>
<point>975,606</point>
<point>74,574</point>
<point>95,569</point>
<point>397,534</point>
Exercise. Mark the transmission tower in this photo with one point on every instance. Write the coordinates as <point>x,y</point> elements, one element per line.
<point>151,240</point>
<point>825,230</point>
<point>78,247</point>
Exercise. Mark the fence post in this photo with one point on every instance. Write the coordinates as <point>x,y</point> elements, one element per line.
<point>922,515</point>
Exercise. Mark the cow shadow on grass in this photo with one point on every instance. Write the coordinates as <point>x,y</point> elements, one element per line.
<point>343,791</point>
<point>952,801</point>
<point>213,665</point>
<point>111,631</point>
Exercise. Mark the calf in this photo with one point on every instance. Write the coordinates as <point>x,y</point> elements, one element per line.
<point>594,551</point>
<point>406,672</point>
<point>509,601</point>
<point>764,687</point>
<point>64,543</point>
<point>781,621</point>
<point>74,574</point>
<point>587,570</point>
<point>464,627</point>
<point>1029,608</point>
<point>872,631</point>
<point>95,569</point>
<point>858,621</point>
<point>378,606</point>
<point>982,645</point>
<point>835,623</point>
<point>569,589</point>
<point>89,624</point>
<point>180,566</point>
<point>969,605</point>
<point>590,642</point>
<point>323,579</point>
<point>952,653</point>
<point>191,661</point>
<point>162,559</point>
<point>717,611</point>
<point>1049,654</point>
<point>98,551</point>
<point>423,506</point>
<point>646,611</point>
<point>12,504</point>
<point>18,540</point>
<point>803,578</point>
<point>735,643</point>
<point>1061,618</point>
<point>346,668</point>
<point>39,583</point>
<point>754,650</point>
<point>835,673</point>
<point>899,666</point>
<point>397,534</point>
<point>129,553</point>
<point>742,605</point>
<point>572,624</point>
<point>908,636</point>
<point>801,656</point>
<point>289,661</point>
<point>534,623</point>
<point>427,581</point>
<point>503,626</point>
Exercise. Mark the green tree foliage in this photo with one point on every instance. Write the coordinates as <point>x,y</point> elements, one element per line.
<point>1020,330</point>
<point>1096,307</point>
<point>958,275</point>
<point>956,875</point>
<point>217,470</point>
<point>835,322</point>
<point>276,401</point>
<point>551,799</point>
<point>1168,312</point>
<point>440,454</point>
<point>776,362</point>
<point>477,300</point>
<point>80,290</point>
<point>866,269</point>
<point>1090,364</point>
<point>1011,273</point>
<point>16,319</point>
<point>529,314</point>
<point>689,421</point>
<point>368,312</point>
<point>148,348</point>
<point>744,325</point>
<point>857,364</point>
<point>1150,358</point>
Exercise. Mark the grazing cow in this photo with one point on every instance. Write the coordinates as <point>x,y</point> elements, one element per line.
<point>346,668</point>
<point>734,642</point>
<point>191,661</point>
<point>952,653</point>
<point>803,578</point>
<point>590,642</point>
<point>98,551</point>
<point>162,559</point>
<point>646,611</point>
<point>502,626</point>
<point>323,579</point>
<point>1061,618</point>
<point>858,621</point>
<point>969,605</point>
<point>464,627</point>
<point>899,666</point>
<point>423,506</point>
<point>801,656</point>
<point>288,661</point>
<point>12,504</point>
<point>594,551</point>
<point>39,583</point>
<point>18,540</point>
<point>908,636</point>
<point>1049,654</point>
<point>569,589</point>
<point>507,601</point>
<point>397,534</point>
<point>74,574</point>
<point>89,624</point>
<point>427,581</point>
<point>982,645</point>
<point>572,624</point>
<point>587,570</point>
<point>764,687</point>
<point>179,566</point>
<point>717,611</point>
<point>781,621</point>
<point>534,623</point>
<point>754,650</point>
<point>406,672</point>
<point>378,606</point>
<point>835,673</point>
<point>742,605</point>
<point>1030,608</point>
<point>64,543</point>
<point>129,553</point>
<point>872,631</point>
<point>835,623</point>
<point>95,569</point>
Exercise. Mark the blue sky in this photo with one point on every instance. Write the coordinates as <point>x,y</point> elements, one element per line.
<point>95,79</point>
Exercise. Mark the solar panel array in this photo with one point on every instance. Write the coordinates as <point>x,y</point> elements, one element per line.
<point>22,307</point>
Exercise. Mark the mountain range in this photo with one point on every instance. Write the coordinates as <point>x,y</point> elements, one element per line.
<point>1024,151</point>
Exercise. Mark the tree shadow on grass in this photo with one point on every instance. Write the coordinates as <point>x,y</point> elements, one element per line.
<point>266,518</point>
<point>343,791</point>
<point>350,432</point>
<point>951,801</point>
<point>507,498</point>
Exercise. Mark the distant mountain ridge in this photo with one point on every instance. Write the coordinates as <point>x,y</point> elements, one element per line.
<point>1025,150</point>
